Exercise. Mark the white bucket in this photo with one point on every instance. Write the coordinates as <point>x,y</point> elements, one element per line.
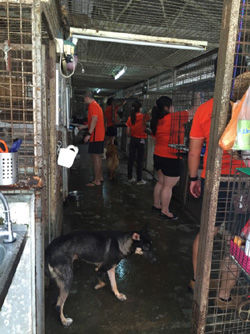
<point>67,156</point>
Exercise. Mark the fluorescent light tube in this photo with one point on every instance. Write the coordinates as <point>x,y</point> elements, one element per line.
<point>98,90</point>
<point>135,39</point>
<point>120,73</point>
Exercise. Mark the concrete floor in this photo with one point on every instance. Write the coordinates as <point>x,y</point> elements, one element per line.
<point>158,300</point>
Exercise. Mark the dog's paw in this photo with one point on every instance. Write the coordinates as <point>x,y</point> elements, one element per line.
<point>100,285</point>
<point>67,322</point>
<point>121,297</point>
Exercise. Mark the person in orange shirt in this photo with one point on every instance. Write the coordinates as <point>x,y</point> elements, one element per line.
<point>95,136</point>
<point>167,127</point>
<point>136,126</point>
<point>199,135</point>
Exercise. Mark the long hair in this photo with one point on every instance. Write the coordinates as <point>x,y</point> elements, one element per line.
<point>110,101</point>
<point>159,112</point>
<point>136,105</point>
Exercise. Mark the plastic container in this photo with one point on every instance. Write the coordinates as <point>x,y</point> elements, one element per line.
<point>8,168</point>
<point>240,256</point>
<point>247,248</point>
<point>67,156</point>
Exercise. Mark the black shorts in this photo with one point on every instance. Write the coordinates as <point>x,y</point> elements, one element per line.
<point>96,147</point>
<point>168,166</point>
<point>111,131</point>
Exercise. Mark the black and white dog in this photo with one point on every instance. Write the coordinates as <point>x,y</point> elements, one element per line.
<point>104,249</point>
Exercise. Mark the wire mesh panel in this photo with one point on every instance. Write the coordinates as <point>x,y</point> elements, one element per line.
<point>228,299</point>
<point>16,82</point>
<point>229,303</point>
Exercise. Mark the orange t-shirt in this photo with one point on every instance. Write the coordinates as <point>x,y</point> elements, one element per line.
<point>201,129</point>
<point>109,115</point>
<point>138,129</point>
<point>99,132</point>
<point>170,130</point>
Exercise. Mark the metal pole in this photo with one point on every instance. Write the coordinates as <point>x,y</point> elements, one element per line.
<point>38,164</point>
<point>219,118</point>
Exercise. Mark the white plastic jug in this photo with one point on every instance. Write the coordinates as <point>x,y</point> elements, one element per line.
<point>67,156</point>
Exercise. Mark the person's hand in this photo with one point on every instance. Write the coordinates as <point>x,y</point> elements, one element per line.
<point>195,188</point>
<point>86,138</point>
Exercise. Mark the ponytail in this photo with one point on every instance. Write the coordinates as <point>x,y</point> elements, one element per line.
<point>135,109</point>
<point>158,111</point>
<point>154,119</point>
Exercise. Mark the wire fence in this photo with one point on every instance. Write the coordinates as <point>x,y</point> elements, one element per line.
<point>16,82</point>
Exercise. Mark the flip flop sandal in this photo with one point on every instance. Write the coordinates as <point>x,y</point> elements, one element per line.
<point>154,208</point>
<point>93,184</point>
<point>163,215</point>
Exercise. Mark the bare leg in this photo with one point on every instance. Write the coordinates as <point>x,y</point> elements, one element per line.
<point>157,190</point>
<point>195,250</point>
<point>99,164</point>
<point>166,193</point>
<point>229,276</point>
<point>111,274</point>
<point>195,253</point>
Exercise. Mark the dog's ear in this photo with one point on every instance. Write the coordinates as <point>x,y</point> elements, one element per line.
<point>136,236</point>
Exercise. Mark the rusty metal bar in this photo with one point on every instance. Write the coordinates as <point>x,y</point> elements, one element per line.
<point>37,72</point>
<point>219,118</point>
<point>52,148</point>
<point>38,161</point>
<point>26,47</point>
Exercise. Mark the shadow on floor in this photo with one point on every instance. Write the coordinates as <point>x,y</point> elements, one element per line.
<point>158,300</point>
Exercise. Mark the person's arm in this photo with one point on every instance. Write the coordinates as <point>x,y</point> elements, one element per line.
<point>84,126</point>
<point>197,102</point>
<point>91,128</point>
<point>195,147</point>
<point>128,124</point>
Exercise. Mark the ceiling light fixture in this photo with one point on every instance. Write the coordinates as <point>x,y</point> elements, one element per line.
<point>120,73</point>
<point>83,70</point>
<point>135,39</point>
<point>98,90</point>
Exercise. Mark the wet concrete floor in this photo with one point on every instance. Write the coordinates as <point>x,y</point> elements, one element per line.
<point>157,297</point>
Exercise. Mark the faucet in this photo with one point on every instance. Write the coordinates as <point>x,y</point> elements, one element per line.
<point>7,231</point>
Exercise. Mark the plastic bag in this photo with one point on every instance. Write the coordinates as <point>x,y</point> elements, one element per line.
<point>242,140</point>
<point>229,135</point>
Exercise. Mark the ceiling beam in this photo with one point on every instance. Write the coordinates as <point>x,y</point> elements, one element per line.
<point>106,62</point>
<point>135,39</point>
